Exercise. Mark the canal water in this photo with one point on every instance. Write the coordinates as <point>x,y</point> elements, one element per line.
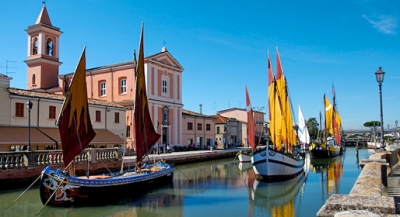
<point>216,188</point>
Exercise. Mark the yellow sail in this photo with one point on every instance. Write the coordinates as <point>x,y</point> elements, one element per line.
<point>328,116</point>
<point>289,135</point>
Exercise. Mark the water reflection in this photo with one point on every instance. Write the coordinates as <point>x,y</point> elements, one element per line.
<point>216,188</point>
<point>277,198</point>
<point>330,171</point>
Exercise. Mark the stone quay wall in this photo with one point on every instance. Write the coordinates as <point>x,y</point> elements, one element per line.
<point>368,197</point>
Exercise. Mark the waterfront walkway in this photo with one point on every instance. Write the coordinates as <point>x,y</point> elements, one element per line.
<point>181,157</point>
<point>393,187</point>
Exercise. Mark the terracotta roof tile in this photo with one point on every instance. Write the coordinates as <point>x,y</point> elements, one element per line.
<point>30,93</point>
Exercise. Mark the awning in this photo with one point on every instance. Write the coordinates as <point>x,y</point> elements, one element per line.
<point>104,137</point>
<point>49,136</point>
<point>19,136</point>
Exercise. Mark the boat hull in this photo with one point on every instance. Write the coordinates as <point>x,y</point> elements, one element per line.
<point>243,157</point>
<point>319,151</point>
<point>271,166</point>
<point>60,189</point>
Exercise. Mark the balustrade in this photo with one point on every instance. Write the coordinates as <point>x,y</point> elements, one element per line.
<point>15,160</point>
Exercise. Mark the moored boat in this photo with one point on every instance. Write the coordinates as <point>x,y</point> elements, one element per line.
<point>61,187</point>
<point>332,145</point>
<point>278,161</point>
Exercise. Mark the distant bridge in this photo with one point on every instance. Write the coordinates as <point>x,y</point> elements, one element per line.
<point>360,131</point>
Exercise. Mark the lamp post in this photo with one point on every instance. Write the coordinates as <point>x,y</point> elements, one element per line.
<point>395,129</point>
<point>379,78</point>
<point>158,144</point>
<point>29,105</point>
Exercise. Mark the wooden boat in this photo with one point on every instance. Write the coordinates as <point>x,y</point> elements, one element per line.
<point>325,150</point>
<point>278,161</point>
<point>330,146</point>
<point>244,157</point>
<point>62,188</point>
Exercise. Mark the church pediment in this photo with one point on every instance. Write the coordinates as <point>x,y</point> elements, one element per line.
<point>166,59</point>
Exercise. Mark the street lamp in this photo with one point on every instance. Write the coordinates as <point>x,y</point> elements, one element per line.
<point>395,130</point>
<point>379,78</point>
<point>158,143</point>
<point>29,105</point>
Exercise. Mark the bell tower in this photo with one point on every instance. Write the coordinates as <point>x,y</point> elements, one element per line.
<point>43,53</point>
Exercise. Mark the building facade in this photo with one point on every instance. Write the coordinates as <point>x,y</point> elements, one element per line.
<point>28,120</point>
<point>198,130</point>
<point>113,83</point>
<point>236,125</point>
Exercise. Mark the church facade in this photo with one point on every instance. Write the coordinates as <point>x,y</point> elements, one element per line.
<point>114,83</point>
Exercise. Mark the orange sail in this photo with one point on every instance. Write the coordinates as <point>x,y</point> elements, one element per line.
<point>144,135</point>
<point>74,123</point>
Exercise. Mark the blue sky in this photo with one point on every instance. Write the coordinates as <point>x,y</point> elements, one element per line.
<point>223,46</point>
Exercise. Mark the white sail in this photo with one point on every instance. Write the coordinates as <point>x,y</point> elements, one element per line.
<point>302,133</point>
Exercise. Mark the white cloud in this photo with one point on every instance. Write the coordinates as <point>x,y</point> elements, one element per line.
<point>383,23</point>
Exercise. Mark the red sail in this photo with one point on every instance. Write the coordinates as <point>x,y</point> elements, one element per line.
<point>251,132</point>
<point>74,123</point>
<point>144,135</point>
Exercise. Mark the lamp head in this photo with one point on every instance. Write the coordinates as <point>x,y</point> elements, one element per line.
<point>379,75</point>
<point>29,105</point>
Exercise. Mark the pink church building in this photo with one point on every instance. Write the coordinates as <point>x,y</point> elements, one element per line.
<point>114,83</point>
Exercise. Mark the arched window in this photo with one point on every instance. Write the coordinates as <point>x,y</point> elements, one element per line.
<point>49,47</point>
<point>33,79</point>
<point>34,46</point>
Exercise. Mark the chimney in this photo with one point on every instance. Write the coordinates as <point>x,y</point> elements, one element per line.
<point>201,105</point>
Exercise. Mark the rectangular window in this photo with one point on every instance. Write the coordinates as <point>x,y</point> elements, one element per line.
<point>128,131</point>
<point>116,117</point>
<point>208,127</point>
<point>164,87</point>
<point>122,86</point>
<point>19,109</point>
<point>199,126</point>
<point>103,89</point>
<point>52,112</point>
<point>218,130</point>
<point>98,116</point>
<point>190,126</point>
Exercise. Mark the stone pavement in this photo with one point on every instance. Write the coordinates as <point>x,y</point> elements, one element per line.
<point>393,188</point>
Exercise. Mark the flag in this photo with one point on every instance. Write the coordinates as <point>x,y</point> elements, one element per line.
<point>144,135</point>
<point>74,123</point>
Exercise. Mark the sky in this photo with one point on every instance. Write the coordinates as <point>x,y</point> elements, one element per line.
<point>223,46</point>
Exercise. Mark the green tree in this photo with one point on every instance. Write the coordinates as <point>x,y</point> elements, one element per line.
<point>312,126</point>
<point>373,125</point>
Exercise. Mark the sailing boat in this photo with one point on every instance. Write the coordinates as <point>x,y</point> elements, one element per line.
<point>63,188</point>
<point>251,131</point>
<point>278,161</point>
<point>330,146</point>
<point>302,132</point>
